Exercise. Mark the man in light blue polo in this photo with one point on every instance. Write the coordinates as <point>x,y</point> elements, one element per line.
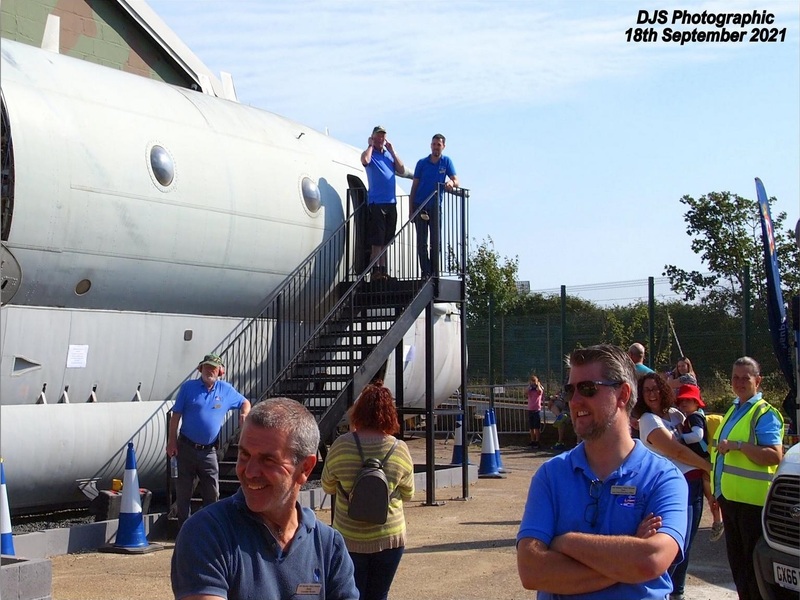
<point>605,520</point>
<point>382,163</point>
<point>434,169</point>
<point>199,411</point>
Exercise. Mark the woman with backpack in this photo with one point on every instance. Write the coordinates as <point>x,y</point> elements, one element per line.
<point>351,469</point>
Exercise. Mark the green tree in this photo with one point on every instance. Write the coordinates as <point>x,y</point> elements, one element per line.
<point>490,276</point>
<point>726,233</point>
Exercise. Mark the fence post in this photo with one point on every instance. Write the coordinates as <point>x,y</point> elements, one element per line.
<point>747,319</point>
<point>563,329</point>
<point>651,320</point>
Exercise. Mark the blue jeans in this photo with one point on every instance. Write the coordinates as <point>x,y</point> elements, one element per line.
<point>374,572</point>
<point>695,511</point>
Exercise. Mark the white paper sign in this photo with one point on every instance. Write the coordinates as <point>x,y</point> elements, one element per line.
<point>76,357</point>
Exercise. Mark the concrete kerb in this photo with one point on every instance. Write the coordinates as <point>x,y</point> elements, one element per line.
<point>25,578</point>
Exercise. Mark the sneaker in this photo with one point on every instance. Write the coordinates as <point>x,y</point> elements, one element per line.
<point>717,529</point>
<point>558,446</point>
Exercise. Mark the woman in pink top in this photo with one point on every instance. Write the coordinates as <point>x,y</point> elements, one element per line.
<point>535,393</point>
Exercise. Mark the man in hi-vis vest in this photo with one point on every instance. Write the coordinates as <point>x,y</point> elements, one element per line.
<point>745,452</point>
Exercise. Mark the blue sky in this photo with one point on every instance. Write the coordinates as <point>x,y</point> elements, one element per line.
<point>575,144</point>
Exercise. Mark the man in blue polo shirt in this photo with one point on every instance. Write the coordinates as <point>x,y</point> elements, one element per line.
<point>382,163</point>
<point>260,543</point>
<point>606,519</point>
<point>430,171</point>
<point>200,410</point>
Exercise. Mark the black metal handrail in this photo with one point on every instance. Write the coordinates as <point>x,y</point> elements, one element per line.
<point>268,341</point>
<point>269,349</point>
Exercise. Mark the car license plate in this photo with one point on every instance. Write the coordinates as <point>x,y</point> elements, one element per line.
<point>787,577</point>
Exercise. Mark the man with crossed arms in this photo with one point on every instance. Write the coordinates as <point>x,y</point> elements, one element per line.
<point>606,519</point>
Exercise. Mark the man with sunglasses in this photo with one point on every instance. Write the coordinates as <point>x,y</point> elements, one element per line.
<point>606,519</point>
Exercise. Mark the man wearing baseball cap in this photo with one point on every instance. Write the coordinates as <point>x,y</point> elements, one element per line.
<point>382,164</point>
<point>200,410</point>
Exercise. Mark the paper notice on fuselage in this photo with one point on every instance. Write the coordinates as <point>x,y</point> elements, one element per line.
<point>77,355</point>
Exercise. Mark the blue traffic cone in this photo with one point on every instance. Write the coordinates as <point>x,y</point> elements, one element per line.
<point>496,442</point>
<point>130,533</point>
<point>488,466</point>
<point>6,538</point>
<point>131,538</point>
<point>458,447</point>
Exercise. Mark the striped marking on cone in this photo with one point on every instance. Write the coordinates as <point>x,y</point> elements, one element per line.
<point>131,538</point>
<point>488,466</point>
<point>458,447</point>
<point>496,437</point>
<point>6,537</point>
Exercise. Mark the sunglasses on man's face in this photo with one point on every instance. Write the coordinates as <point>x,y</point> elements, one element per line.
<point>587,389</point>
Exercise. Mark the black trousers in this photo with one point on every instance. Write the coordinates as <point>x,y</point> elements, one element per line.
<point>742,530</point>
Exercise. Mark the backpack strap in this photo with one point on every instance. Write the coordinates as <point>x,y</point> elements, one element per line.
<point>358,445</point>
<point>361,454</point>
<point>388,454</point>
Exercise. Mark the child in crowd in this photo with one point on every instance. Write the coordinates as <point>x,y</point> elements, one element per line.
<point>561,422</point>
<point>535,393</point>
<point>695,435</point>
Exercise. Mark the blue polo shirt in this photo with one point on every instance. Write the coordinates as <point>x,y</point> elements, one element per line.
<point>225,550</point>
<point>203,411</point>
<point>381,178</point>
<point>559,502</point>
<point>431,174</point>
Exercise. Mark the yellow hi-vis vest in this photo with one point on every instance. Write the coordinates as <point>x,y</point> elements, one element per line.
<point>743,480</point>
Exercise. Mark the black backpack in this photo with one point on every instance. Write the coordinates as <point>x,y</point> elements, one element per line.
<point>369,497</point>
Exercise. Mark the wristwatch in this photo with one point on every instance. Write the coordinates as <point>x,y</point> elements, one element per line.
<point>739,447</point>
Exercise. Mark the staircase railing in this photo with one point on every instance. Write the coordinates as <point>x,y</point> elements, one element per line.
<point>274,344</point>
<point>291,312</point>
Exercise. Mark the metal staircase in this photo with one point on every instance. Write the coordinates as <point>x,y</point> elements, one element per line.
<point>328,329</point>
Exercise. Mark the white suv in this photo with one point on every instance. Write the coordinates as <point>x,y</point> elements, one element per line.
<point>777,554</point>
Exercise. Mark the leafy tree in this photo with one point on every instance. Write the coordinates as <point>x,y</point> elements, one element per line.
<point>490,276</point>
<point>726,233</point>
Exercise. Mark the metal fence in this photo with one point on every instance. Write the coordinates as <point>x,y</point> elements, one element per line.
<point>510,406</point>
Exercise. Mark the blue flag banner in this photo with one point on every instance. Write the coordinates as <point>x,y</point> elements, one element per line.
<point>776,311</point>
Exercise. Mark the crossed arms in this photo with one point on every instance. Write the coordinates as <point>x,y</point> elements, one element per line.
<point>580,563</point>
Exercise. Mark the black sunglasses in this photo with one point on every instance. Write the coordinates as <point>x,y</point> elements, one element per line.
<point>587,389</point>
<point>590,513</point>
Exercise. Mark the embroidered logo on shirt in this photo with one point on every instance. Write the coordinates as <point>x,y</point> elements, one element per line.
<point>627,501</point>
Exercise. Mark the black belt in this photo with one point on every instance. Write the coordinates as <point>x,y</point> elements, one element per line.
<point>188,442</point>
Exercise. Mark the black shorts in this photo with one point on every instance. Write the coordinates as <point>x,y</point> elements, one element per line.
<point>534,419</point>
<point>382,224</point>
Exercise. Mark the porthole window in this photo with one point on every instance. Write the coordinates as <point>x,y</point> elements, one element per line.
<point>161,166</point>
<point>84,285</point>
<point>311,195</point>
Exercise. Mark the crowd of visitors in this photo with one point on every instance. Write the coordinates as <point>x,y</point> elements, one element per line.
<point>632,488</point>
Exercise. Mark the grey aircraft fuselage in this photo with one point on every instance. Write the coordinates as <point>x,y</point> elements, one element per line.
<point>142,211</point>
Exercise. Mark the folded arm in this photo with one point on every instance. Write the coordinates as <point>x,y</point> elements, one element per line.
<point>635,559</point>
<point>541,568</point>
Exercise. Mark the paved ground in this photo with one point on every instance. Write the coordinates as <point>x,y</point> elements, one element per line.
<point>462,550</point>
